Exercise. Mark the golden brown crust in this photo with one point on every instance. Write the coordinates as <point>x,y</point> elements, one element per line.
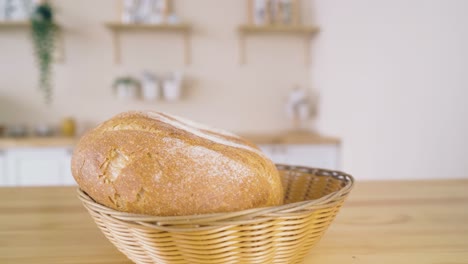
<point>150,163</point>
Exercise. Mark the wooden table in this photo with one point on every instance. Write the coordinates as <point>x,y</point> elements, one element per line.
<point>382,222</point>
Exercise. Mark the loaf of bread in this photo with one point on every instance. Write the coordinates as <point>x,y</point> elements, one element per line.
<point>158,164</point>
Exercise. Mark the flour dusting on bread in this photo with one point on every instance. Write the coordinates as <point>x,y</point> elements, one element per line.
<point>215,163</point>
<point>194,130</point>
<point>201,126</point>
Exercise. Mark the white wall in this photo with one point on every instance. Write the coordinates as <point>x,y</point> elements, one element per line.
<point>220,91</point>
<point>393,77</point>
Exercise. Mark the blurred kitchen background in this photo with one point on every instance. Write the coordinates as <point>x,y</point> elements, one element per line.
<point>374,88</point>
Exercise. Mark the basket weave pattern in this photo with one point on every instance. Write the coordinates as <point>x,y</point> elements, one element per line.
<point>279,234</point>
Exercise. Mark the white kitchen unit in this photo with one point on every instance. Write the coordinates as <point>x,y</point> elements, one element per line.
<point>37,166</point>
<point>2,168</point>
<point>325,156</point>
<point>46,161</point>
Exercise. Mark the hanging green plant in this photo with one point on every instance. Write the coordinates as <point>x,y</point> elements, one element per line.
<point>44,31</point>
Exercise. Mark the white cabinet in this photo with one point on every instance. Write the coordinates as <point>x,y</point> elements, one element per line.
<point>28,166</point>
<point>67,174</point>
<point>319,156</point>
<point>2,168</point>
<point>37,167</point>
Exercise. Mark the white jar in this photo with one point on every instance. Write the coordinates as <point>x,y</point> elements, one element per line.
<point>128,12</point>
<point>126,91</point>
<point>171,90</point>
<point>303,111</point>
<point>150,90</point>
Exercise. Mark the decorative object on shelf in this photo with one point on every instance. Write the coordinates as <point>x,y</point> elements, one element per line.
<point>44,32</point>
<point>44,130</point>
<point>278,12</point>
<point>285,13</point>
<point>160,12</point>
<point>150,89</point>
<point>2,130</point>
<point>68,127</point>
<point>126,88</point>
<point>172,87</point>
<point>128,12</point>
<point>146,11</point>
<point>15,10</point>
<point>2,10</point>
<point>260,12</point>
<point>17,131</point>
<point>298,107</point>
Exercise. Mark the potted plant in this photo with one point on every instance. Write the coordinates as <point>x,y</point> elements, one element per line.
<point>126,87</point>
<point>44,31</point>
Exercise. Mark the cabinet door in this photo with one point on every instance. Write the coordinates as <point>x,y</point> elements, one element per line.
<point>275,152</point>
<point>36,166</point>
<point>318,156</point>
<point>68,177</point>
<point>3,176</point>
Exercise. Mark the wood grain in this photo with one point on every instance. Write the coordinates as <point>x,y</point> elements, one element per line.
<point>155,27</point>
<point>382,222</point>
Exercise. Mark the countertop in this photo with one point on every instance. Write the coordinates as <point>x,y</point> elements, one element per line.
<point>11,142</point>
<point>382,222</point>
<point>297,137</point>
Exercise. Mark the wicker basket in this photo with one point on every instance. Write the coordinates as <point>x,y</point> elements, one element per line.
<point>280,234</point>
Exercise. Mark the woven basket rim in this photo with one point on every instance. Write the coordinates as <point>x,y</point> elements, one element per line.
<point>233,217</point>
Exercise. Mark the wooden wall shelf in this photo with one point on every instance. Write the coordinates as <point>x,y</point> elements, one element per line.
<point>14,24</point>
<point>304,31</point>
<point>117,28</point>
<point>293,29</point>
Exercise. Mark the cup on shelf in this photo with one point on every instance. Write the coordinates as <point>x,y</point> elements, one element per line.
<point>172,87</point>
<point>171,91</point>
<point>126,88</point>
<point>128,12</point>
<point>150,89</point>
<point>260,12</point>
<point>43,130</point>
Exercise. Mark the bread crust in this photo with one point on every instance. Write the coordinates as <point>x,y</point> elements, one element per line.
<point>156,164</point>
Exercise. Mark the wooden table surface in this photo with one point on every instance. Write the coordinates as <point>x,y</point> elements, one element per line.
<point>382,222</point>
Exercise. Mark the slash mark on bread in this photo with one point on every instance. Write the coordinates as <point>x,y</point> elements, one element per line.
<point>112,166</point>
